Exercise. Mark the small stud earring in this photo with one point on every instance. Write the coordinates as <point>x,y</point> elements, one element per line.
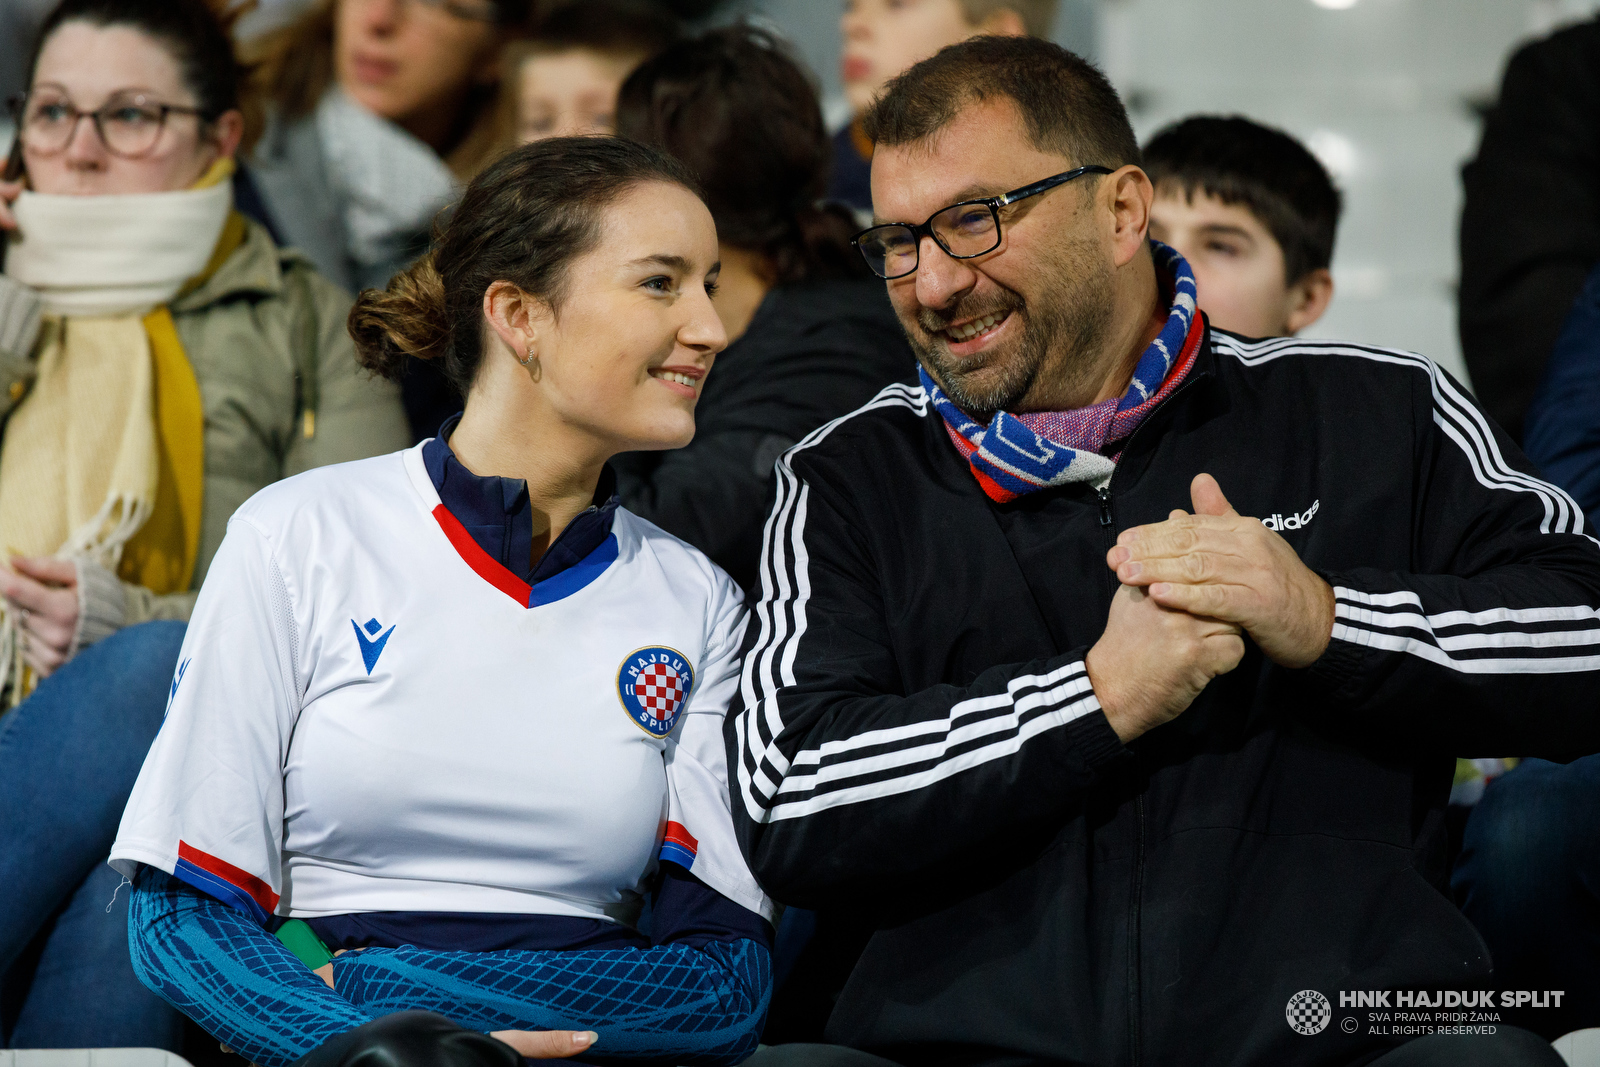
<point>530,358</point>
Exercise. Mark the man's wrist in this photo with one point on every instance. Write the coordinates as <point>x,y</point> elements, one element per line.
<point>1113,703</point>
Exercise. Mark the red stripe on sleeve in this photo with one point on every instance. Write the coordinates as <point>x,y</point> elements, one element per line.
<point>259,891</point>
<point>488,568</point>
<point>678,834</point>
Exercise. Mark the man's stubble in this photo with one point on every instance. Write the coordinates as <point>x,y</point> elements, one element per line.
<point>1065,323</point>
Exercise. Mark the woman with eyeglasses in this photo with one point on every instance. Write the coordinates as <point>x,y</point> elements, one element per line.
<point>160,361</point>
<point>377,113</point>
<point>446,720</point>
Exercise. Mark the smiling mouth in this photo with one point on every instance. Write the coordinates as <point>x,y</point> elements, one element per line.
<point>672,376</point>
<point>982,325</point>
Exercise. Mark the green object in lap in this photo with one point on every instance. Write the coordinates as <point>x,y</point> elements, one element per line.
<point>298,938</point>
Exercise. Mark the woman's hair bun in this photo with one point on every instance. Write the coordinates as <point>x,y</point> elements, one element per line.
<point>407,318</point>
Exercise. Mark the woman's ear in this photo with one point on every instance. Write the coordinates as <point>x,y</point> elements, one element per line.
<point>226,132</point>
<point>518,319</point>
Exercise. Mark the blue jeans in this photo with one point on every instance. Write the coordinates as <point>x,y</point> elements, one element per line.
<point>69,755</point>
<point>1529,879</point>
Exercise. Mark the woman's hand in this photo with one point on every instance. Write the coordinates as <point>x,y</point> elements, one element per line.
<point>531,1044</point>
<point>9,191</point>
<point>547,1044</point>
<point>44,591</point>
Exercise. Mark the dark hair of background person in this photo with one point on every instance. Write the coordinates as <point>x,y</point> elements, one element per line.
<point>196,34</point>
<point>1266,171</point>
<point>1067,105</point>
<point>524,219</point>
<point>743,116</point>
<point>293,67</point>
<point>610,27</point>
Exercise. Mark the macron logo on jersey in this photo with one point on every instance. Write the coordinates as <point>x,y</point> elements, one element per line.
<point>371,647</point>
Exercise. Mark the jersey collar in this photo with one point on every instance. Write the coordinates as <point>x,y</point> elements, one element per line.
<point>489,522</point>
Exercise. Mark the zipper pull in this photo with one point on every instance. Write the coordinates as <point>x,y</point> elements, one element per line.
<point>1104,492</point>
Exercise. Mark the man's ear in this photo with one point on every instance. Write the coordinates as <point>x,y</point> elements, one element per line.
<point>1131,195</point>
<point>1307,299</point>
<point>1002,22</point>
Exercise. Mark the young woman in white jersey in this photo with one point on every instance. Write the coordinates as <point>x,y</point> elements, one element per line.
<point>452,708</point>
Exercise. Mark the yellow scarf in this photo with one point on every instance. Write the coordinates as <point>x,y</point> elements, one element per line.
<point>105,456</point>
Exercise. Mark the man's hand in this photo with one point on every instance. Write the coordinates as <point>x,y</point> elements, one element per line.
<point>547,1044</point>
<point>44,591</point>
<point>1152,661</point>
<point>1221,565</point>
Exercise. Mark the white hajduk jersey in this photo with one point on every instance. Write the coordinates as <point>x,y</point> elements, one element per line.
<point>367,715</point>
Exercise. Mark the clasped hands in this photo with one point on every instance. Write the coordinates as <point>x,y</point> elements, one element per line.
<point>1190,587</point>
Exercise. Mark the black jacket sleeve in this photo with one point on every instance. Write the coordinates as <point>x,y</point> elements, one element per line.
<point>1489,644</point>
<point>1521,263</point>
<point>845,786</point>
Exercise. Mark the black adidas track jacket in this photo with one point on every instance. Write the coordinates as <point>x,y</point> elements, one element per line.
<point>916,745</point>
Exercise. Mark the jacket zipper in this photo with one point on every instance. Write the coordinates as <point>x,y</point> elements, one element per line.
<point>1135,912</point>
<point>1135,907</point>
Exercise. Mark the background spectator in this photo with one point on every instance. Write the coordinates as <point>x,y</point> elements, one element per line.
<point>1255,215</point>
<point>812,334</point>
<point>884,37</point>
<point>1521,263</point>
<point>1563,427</point>
<point>1529,875</point>
<point>160,361</point>
<point>564,81</point>
<point>376,112</point>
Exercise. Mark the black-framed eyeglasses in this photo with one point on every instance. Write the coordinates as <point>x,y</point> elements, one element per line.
<point>129,124</point>
<point>965,230</point>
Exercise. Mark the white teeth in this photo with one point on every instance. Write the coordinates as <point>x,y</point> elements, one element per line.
<point>975,327</point>
<point>674,376</point>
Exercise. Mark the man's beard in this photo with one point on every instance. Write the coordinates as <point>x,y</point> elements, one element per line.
<point>1064,327</point>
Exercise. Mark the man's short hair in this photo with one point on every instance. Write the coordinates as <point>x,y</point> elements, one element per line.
<point>1264,170</point>
<point>1038,16</point>
<point>1067,105</point>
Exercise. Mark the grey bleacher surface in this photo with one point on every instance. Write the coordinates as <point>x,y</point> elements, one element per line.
<point>91,1057</point>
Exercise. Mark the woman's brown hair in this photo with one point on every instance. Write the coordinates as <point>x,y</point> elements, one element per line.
<point>294,67</point>
<point>523,220</point>
<point>743,116</point>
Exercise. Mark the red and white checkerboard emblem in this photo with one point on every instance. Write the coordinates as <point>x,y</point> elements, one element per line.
<point>659,689</point>
<point>654,683</point>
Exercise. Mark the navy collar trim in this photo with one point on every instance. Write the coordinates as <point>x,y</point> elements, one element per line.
<point>496,515</point>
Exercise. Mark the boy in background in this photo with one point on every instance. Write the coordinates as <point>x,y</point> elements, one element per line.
<point>564,80</point>
<point>1254,213</point>
<point>883,38</point>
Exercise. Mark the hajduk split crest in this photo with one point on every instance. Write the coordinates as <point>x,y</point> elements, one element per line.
<point>654,683</point>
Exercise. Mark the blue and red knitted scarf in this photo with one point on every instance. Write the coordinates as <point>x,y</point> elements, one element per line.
<point>1018,454</point>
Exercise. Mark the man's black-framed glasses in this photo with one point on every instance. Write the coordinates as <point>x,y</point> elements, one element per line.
<point>965,230</point>
<point>129,124</point>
